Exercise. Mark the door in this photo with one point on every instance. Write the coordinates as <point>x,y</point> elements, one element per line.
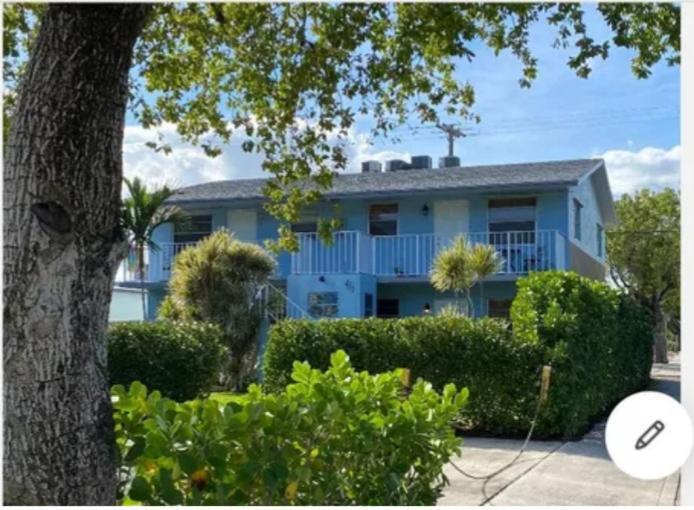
<point>244,224</point>
<point>451,217</point>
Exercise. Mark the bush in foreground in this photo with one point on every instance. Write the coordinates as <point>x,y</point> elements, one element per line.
<point>182,360</point>
<point>597,341</point>
<point>333,438</point>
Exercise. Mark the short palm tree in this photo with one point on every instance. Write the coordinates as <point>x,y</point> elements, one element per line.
<point>143,212</point>
<point>461,265</point>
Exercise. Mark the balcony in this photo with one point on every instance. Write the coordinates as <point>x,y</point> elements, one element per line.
<point>412,255</point>
<point>401,256</point>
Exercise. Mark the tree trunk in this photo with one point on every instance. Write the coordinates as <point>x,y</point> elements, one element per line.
<point>659,335</point>
<point>63,242</point>
<point>141,274</point>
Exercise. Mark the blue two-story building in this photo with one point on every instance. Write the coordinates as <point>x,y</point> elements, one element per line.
<point>538,216</point>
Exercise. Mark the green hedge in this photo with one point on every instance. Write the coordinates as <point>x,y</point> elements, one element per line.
<point>501,375</point>
<point>597,341</point>
<point>333,438</point>
<point>180,359</point>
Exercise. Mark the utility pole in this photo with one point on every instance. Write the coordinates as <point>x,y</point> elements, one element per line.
<point>452,133</point>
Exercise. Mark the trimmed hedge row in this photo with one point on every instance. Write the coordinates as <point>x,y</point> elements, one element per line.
<point>500,374</point>
<point>182,360</point>
<point>597,341</point>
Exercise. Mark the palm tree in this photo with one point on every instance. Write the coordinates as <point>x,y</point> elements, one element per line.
<point>144,211</point>
<point>461,265</point>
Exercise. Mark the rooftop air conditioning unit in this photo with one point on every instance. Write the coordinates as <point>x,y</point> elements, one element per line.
<point>397,164</point>
<point>449,161</point>
<point>370,167</point>
<point>421,162</point>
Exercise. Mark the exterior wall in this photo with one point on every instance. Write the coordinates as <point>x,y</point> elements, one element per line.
<point>590,217</point>
<point>126,305</point>
<point>154,298</point>
<point>414,296</point>
<point>586,265</point>
<point>349,288</point>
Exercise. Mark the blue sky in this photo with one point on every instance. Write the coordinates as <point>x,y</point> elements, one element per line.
<point>633,124</point>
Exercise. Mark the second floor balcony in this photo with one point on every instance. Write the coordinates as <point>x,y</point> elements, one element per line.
<point>407,256</point>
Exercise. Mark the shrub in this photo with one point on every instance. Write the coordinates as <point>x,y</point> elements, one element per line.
<point>217,281</point>
<point>180,359</point>
<point>502,375</point>
<point>333,438</point>
<point>598,340</point>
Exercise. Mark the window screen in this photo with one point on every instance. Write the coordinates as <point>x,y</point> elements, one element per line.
<point>323,304</point>
<point>194,229</point>
<point>511,214</point>
<point>383,220</point>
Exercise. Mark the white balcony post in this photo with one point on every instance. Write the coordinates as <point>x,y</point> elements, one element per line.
<point>417,268</point>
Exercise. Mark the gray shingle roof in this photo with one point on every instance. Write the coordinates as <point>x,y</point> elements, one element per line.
<point>524,175</point>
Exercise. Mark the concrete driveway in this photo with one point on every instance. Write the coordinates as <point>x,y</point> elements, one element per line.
<point>558,473</point>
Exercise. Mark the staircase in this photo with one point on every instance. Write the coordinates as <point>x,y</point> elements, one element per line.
<point>274,306</point>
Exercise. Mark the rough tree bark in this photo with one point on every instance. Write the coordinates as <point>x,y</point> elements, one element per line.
<point>63,171</point>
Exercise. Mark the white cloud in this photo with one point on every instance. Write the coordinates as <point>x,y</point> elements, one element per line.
<point>651,167</point>
<point>187,164</point>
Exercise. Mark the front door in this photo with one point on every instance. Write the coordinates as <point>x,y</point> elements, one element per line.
<point>451,217</point>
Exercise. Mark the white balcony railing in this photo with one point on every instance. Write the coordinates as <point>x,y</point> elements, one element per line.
<point>408,255</point>
<point>521,251</point>
<point>349,252</point>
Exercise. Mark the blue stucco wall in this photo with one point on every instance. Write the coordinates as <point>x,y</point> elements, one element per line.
<point>414,296</point>
<point>349,288</point>
<point>590,217</point>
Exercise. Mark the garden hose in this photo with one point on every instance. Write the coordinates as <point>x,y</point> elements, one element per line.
<point>544,389</point>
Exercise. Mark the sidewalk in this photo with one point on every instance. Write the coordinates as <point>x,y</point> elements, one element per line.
<point>558,473</point>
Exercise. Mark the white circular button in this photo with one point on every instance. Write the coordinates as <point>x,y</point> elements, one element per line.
<point>649,435</point>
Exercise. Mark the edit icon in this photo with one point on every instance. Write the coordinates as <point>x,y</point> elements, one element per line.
<point>649,435</point>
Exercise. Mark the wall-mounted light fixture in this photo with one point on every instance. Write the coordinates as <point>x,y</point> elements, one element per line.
<point>427,309</point>
<point>425,210</point>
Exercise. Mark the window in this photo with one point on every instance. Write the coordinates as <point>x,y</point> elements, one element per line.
<point>388,308</point>
<point>600,235</point>
<point>577,219</point>
<point>383,220</point>
<point>500,308</point>
<point>511,214</point>
<point>368,305</point>
<point>194,229</point>
<point>322,304</point>
<point>309,227</point>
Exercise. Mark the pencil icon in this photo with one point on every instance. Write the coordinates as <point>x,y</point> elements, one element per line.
<point>650,434</point>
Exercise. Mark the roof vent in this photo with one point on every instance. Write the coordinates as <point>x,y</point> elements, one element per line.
<point>421,162</point>
<point>449,161</point>
<point>370,167</point>
<point>397,164</point>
